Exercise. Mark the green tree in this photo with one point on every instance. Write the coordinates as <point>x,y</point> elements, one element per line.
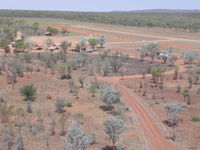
<point>176,70</point>
<point>186,95</point>
<point>29,92</point>
<point>109,95</point>
<point>152,48</point>
<point>62,121</point>
<point>157,72</point>
<point>64,31</point>
<point>81,81</point>
<point>172,112</point>
<point>49,42</point>
<point>76,139</point>
<point>114,128</point>
<point>35,27</point>
<point>93,42</point>
<point>53,31</point>
<point>65,45</point>
<point>20,45</point>
<point>93,88</point>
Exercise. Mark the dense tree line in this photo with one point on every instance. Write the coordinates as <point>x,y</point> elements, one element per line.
<point>179,21</point>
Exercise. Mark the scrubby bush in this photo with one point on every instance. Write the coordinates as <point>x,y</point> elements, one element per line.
<point>6,111</point>
<point>172,112</point>
<point>62,121</point>
<point>76,139</point>
<point>109,95</point>
<point>93,88</point>
<point>114,128</point>
<point>27,57</point>
<point>81,81</point>
<point>69,104</point>
<point>196,119</point>
<point>60,104</point>
<point>29,92</point>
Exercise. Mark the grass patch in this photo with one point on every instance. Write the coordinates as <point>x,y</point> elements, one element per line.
<point>68,104</point>
<point>195,119</point>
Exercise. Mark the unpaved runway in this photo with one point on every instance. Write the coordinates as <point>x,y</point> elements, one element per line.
<point>138,34</point>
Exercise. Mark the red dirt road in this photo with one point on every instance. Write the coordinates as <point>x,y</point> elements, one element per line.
<point>152,131</point>
<point>156,138</point>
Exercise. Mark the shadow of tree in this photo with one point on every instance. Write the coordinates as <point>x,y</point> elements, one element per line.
<point>107,148</point>
<point>106,108</point>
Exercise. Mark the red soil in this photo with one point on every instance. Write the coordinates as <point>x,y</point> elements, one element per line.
<point>179,46</point>
<point>95,34</point>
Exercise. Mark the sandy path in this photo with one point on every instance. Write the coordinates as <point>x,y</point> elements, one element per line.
<point>151,129</point>
<point>157,139</point>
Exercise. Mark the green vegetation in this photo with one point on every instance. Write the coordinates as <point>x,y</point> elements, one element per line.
<point>180,21</point>
<point>28,91</point>
<point>196,119</point>
<point>20,45</point>
<point>53,31</point>
<point>69,104</point>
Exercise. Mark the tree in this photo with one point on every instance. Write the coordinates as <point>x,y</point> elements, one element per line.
<point>53,31</point>
<point>65,71</point>
<point>19,143</point>
<point>93,88</point>
<point>64,31</point>
<point>35,27</point>
<point>172,113</point>
<point>81,81</point>
<point>102,41</point>
<point>166,54</point>
<point>143,53</point>
<point>19,119</point>
<point>60,104</point>
<point>65,45</point>
<point>105,66</point>
<point>186,95</point>
<point>109,95</point>
<point>20,45</point>
<point>49,42</point>
<point>29,92</point>
<point>152,48</point>
<point>176,70</point>
<point>71,86</point>
<point>189,56</point>
<point>29,106</point>
<point>113,128</point>
<point>76,139</point>
<point>93,42</point>
<point>9,138</point>
<point>6,111</point>
<point>115,63</point>
<point>62,121</point>
<point>122,71</point>
<point>52,123</point>
<point>157,72</point>
<point>5,45</point>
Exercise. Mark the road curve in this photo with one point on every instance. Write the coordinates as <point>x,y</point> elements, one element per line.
<point>153,132</point>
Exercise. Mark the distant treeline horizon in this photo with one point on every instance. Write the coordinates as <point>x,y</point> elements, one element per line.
<point>181,20</point>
